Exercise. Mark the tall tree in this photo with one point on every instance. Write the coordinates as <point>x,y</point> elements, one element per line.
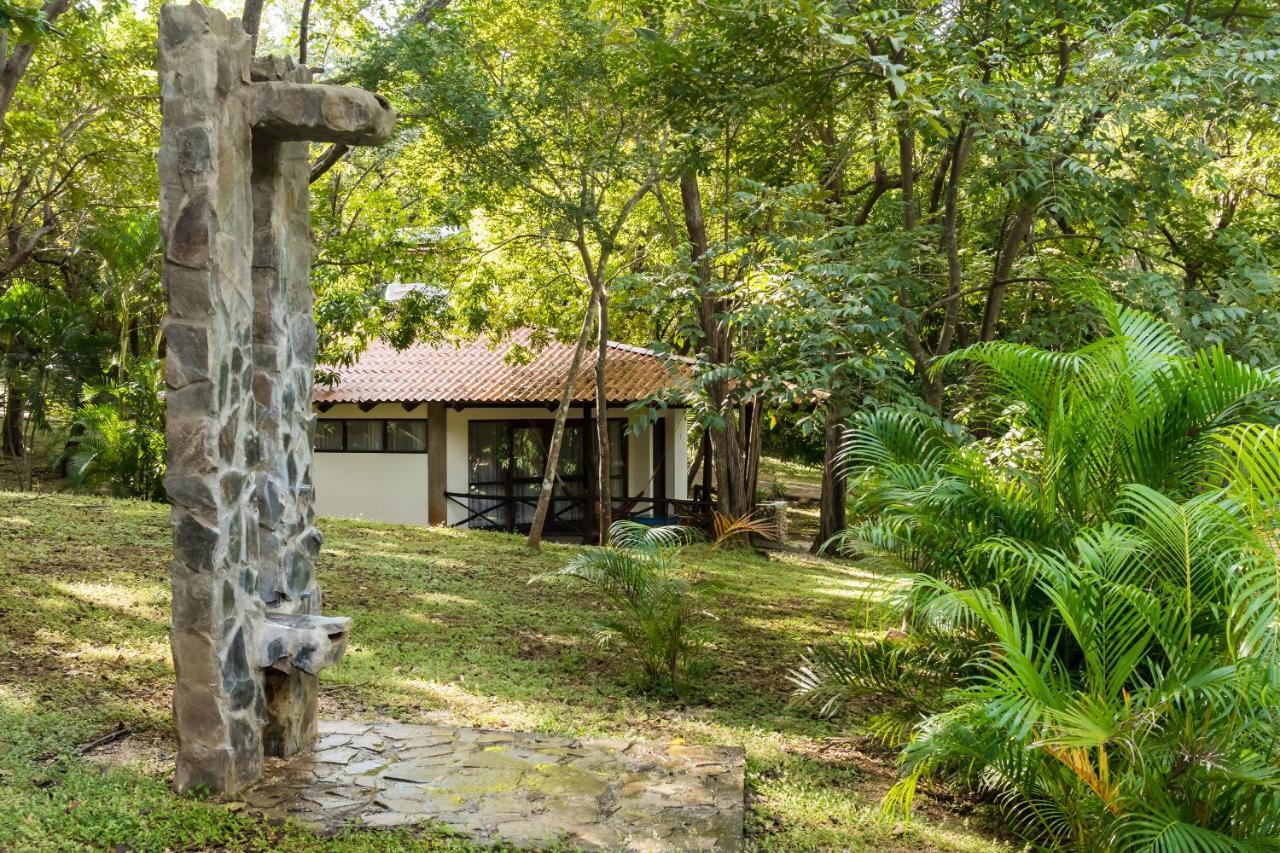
<point>551,152</point>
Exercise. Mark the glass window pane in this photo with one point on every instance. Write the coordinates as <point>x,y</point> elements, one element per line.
<point>530,456</point>
<point>570,462</point>
<point>328,434</point>
<point>617,460</point>
<point>406,436</point>
<point>488,452</point>
<point>364,436</point>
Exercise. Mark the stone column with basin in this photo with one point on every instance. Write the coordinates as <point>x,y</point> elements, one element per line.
<point>247,635</point>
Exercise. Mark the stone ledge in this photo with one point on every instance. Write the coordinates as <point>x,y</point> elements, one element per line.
<point>297,641</point>
<point>315,112</point>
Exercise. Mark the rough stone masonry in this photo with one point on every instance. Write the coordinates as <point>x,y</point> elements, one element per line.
<point>247,634</point>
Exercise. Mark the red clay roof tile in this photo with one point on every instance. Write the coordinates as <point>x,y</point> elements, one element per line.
<point>474,373</point>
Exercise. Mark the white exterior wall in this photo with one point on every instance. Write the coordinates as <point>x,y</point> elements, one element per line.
<point>373,486</point>
<point>676,425</point>
<point>393,486</point>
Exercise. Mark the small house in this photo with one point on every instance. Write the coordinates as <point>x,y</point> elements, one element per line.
<point>458,435</point>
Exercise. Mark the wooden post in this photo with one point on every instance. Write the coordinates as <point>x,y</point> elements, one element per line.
<point>589,470</point>
<point>660,465</point>
<point>437,464</point>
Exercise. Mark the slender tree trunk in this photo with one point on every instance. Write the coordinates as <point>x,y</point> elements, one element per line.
<point>910,220</point>
<point>751,467</point>
<point>304,31</point>
<point>604,457</point>
<point>692,478</point>
<point>731,497</point>
<point>831,507</point>
<point>557,432</point>
<point>251,18</point>
<point>28,452</point>
<point>11,443</point>
<point>1009,250</point>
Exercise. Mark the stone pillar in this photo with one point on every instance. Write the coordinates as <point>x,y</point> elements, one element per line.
<point>284,347</point>
<point>247,634</point>
<point>206,213</point>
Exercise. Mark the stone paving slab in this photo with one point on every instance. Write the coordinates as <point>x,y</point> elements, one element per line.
<point>525,789</point>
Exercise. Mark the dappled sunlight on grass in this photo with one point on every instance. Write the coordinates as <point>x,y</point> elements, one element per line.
<point>147,603</point>
<point>447,629</point>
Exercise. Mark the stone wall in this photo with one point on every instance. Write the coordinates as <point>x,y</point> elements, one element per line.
<point>284,347</point>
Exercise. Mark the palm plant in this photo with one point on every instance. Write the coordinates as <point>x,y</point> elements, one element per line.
<point>1135,407</point>
<point>118,441</point>
<point>1110,564</point>
<point>1142,712</point>
<point>658,616</point>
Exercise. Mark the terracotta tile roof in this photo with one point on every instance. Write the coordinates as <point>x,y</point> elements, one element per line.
<point>474,373</point>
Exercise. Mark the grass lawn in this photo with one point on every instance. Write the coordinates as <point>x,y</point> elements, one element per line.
<point>447,629</point>
<point>800,485</point>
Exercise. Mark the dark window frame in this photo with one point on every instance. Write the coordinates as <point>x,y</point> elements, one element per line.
<point>505,490</point>
<point>426,443</point>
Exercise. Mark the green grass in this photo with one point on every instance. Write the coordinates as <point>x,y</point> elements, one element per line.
<point>447,629</point>
<point>795,478</point>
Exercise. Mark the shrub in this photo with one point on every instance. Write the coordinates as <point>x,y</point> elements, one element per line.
<point>659,615</point>
<point>117,441</point>
<point>1110,565</point>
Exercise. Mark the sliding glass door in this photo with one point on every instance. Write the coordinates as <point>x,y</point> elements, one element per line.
<point>506,461</point>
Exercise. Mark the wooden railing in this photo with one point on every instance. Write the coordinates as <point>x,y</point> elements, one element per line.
<point>499,510</point>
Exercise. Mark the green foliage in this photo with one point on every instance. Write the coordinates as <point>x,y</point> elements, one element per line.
<point>1139,711</point>
<point>921,671</point>
<point>1134,407</point>
<point>659,616</point>
<point>117,436</point>
<point>1105,572</point>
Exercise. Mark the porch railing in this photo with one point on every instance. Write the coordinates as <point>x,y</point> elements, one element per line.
<point>499,511</point>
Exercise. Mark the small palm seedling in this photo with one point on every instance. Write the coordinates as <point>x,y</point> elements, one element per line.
<point>730,530</point>
<point>659,615</point>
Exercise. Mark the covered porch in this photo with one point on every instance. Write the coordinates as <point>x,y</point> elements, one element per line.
<point>456,436</point>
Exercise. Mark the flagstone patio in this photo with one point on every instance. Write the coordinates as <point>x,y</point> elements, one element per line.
<point>524,789</point>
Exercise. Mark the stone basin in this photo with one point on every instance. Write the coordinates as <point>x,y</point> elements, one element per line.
<point>300,641</point>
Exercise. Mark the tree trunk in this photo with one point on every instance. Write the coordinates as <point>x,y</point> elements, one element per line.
<point>604,458</point>
<point>304,31</point>
<point>1009,250</point>
<point>751,468</point>
<point>692,476</point>
<point>251,18</point>
<point>831,507</point>
<point>11,443</point>
<point>15,65</point>
<point>557,432</point>
<point>731,492</point>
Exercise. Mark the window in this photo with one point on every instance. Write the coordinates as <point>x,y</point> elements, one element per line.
<point>406,436</point>
<point>617,463</point>
<point>370,435</point>
<point>329,435</point>
<point>364,436</point>
<point>506,461</point>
